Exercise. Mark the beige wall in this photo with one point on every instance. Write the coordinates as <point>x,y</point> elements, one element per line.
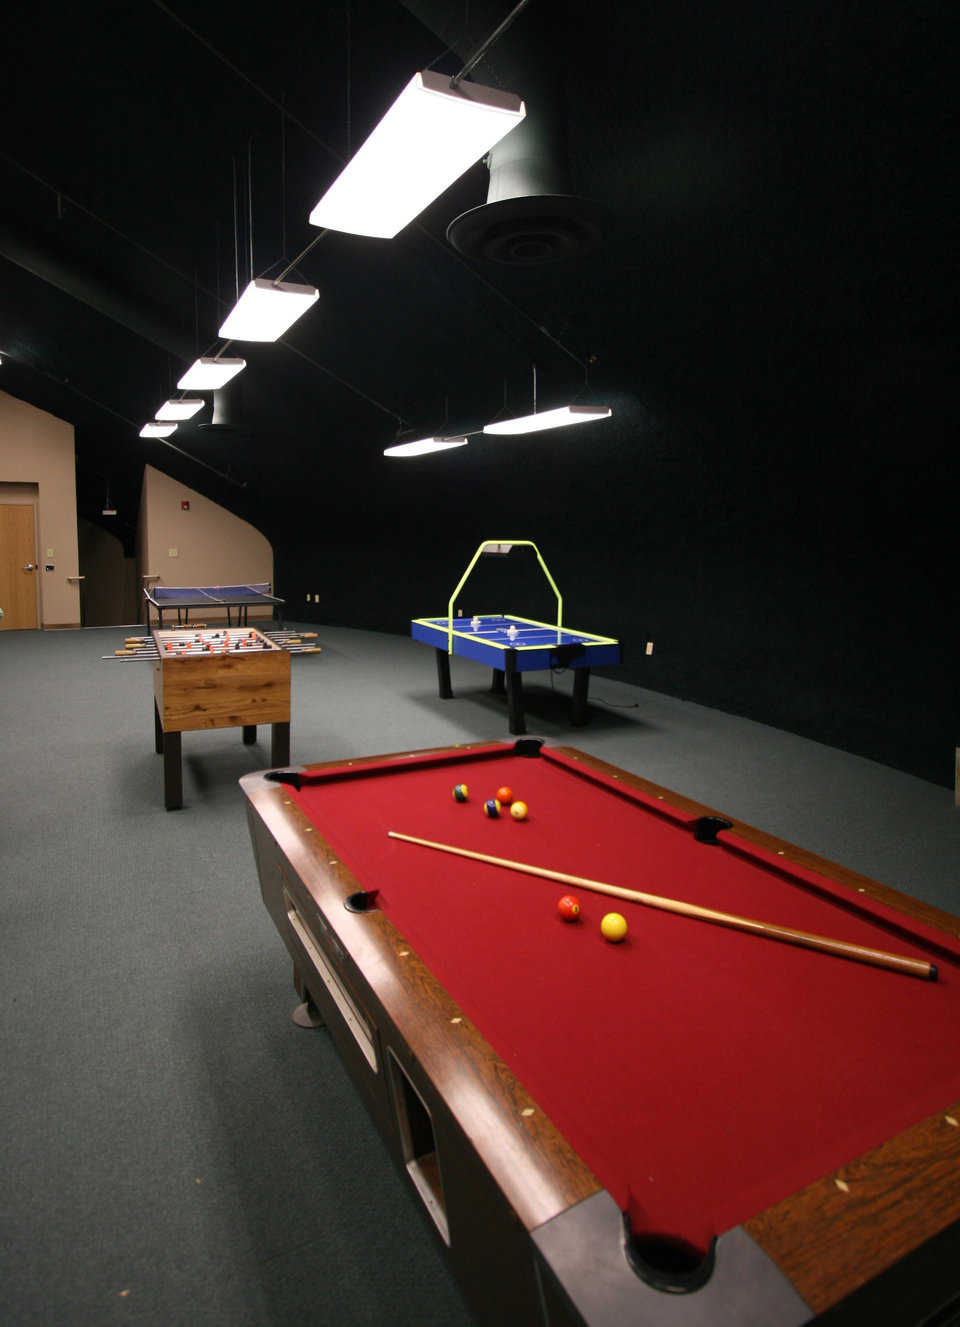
<point>36,448</point>
<point>213,547</point>
<point>109,595</point>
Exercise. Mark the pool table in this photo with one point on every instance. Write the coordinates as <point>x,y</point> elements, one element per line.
<point>695,1125</point>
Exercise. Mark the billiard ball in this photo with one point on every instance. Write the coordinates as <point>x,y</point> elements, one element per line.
<point>504,795</point>
<point>613,927</point>
<point>519,810</point>
<point>491,808</point>
<point>568,908</point>
<point>460,792</point>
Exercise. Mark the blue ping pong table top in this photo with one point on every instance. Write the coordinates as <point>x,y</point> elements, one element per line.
<point>533,642</point>
<point>198,596</point>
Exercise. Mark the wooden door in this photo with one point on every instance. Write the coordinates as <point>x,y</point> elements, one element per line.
<point>18,567</point>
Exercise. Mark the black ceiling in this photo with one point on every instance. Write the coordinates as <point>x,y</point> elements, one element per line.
<point>771,177</point>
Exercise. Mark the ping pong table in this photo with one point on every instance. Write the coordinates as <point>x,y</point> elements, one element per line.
<point>167,598</point>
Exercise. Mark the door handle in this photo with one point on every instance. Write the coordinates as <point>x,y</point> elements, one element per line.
<point>31,566</point>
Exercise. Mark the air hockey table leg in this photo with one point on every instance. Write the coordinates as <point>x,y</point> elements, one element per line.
<point>443,674</point>
<point>581,684</point>
<point>514,681</point>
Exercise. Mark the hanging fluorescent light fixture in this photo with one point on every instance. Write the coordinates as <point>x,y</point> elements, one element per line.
<point>431,134</point>
<point>157,430</point>
<point>185,409</point>
<point>266,309</point>
<point>423,446</point>
<point>207,375</point>
<point>550,419</point>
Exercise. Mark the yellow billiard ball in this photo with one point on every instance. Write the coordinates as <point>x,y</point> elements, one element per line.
<point>613,927</point>
<point>518,810</point>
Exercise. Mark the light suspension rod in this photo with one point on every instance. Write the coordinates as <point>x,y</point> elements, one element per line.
<point>300,256</point>
<point>494,36</point>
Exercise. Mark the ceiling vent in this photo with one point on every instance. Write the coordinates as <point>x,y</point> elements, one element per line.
<point>529,217</point>
<point>532,216</point>
<point>224,420</point>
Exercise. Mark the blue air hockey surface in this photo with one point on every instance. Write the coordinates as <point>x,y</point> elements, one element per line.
<point>512,646</point>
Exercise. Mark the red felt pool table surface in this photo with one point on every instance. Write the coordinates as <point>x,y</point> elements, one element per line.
<point>703,1074</point>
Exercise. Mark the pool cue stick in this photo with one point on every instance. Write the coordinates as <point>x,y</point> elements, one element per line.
<point>914,967</point>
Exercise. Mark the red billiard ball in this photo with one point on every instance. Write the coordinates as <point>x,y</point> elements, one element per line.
<point>504,795</point>
<point>568,908</point>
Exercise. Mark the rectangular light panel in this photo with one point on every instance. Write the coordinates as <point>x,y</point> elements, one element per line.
<point>423,446</point>
<point>156,430</point>
<point>550,419</point>
<point>266,309</point>
<point>185,409</point>
<point>431,134</point>
<point>207,375</point>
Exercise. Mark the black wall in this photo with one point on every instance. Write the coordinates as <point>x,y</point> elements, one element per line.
<point>794,569</point>
<point>771,313</point>
<point>773,503</point>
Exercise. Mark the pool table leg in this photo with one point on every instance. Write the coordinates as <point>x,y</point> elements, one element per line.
<point>249,734</point>
<point>306,1014</point>
<point>581,682</point>
<point>279,744</point>
<point>443,674</point>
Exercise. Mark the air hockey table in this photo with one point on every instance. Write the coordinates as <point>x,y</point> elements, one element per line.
<point>512,646</point>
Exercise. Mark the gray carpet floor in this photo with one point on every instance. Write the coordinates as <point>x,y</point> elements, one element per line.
<point>173,1150</point>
